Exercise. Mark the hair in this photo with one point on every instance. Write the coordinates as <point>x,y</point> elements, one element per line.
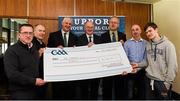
<point>25,25</point>
<point>115,18</point>
<point>150,24</point>
<point>38,25</point>
<point>65,18</point>
<point>88,22</point>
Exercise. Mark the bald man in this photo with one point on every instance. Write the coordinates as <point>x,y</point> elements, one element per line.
<point>135,49</point>
<point>39,34</point>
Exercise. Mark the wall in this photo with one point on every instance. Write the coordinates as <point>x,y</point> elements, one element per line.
<point>47,11</point>
<point>167,16</point>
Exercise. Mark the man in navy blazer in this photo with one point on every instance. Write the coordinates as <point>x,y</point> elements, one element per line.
<point>56,39</point>
<point>63,38</point>
<point>113,35</point>
<point>89,88</point>
<point>88,38</point>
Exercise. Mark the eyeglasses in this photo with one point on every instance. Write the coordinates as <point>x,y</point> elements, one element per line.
<point>26,33</point>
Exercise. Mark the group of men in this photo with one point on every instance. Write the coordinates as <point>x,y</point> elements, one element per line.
<point>155,58</point>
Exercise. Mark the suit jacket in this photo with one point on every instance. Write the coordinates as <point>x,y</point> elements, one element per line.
<point>39,45</point>
<point>105,38</point>
<point>55,39</point>
<point>83,40</point>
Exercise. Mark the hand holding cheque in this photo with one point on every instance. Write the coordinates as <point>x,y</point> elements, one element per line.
<point>84,62</point>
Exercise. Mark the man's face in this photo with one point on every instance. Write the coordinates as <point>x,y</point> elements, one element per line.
<point>39,32</point>
<point>113,24</point>
<point>89,28</point>
<point>136,31</point>
<point>66,24</point>
<point>26,34</point>
<point>151,33</point>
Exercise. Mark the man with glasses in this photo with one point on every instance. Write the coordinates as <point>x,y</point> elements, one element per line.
<point>21,62</point>
<point>113,35</point>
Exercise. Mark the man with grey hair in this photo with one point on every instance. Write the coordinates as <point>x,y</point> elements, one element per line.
<point>63,38</point>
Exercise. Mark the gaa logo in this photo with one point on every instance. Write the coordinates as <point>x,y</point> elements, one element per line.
<point>59,52</point>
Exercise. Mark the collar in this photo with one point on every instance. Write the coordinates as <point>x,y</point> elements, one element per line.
<point>64,32</point>
<point>112,32</point>
<point>38,40</point>
<point>89,35</point>
<point>136,40</point>
<point>27,46</point>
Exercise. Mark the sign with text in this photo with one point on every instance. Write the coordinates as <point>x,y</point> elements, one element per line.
<point>100,22</point>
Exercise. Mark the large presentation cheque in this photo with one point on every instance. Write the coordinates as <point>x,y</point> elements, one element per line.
<point>84,62</point>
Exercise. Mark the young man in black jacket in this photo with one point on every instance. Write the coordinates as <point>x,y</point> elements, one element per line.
<point>21,62</point>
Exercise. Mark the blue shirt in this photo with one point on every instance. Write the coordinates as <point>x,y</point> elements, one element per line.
<point>135,50</point>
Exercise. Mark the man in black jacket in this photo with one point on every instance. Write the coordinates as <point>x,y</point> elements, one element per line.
<point>63,38</point>
<point>89,88</point>
<point>21,62</point>
<point>113,35</point>
<point>39,34</point>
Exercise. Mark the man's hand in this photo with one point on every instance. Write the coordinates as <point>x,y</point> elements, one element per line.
<point>134,71</point>
<point>39,82</point>
<point>122,42</point>
<point>124,73</point>
<point>41,51</point>
<point>60,46</point>
<point>90,44</point>
<point>134,65</point>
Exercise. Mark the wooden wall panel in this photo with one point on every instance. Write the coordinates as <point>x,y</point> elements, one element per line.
<point>15,8</point>
<point>103,8</point>
<point>51,26</point>
<point>85,7</point>
<point>135,14</point>
<point>1,7</point>
<point>51,8</point>
<point>94,7</point>
<point>47,11</point>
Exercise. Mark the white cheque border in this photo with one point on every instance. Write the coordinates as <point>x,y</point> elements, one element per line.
<point>68,69</point>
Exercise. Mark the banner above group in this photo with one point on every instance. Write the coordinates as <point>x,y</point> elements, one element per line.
<point>101,24</point>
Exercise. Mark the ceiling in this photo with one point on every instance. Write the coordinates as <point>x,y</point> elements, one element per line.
<point>135,1</point>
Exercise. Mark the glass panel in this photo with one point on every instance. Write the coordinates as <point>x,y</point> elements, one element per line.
<point>5,23</point>
<point>4,45</point>
<point>8,29</point>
